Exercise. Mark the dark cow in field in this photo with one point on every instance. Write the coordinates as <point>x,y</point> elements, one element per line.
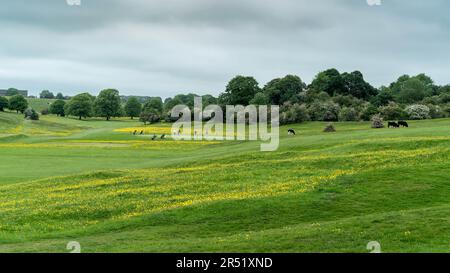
<point>403,124</point>
<point>142,132</point>
<point>154,137</point>
<point>163,136</point>
<point>393,124</point>
<point>135,132</point>
<point>291,132</point>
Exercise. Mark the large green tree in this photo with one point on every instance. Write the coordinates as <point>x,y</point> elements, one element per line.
<point>260,99</point>
<point>170,103</point>
<point>356,86</point>
<point>12,92</point>
<point>59,96</point>
<point>413,90</point>
<point>80,106</point>
<point>4,103</point>
<point>187,100</point>
<point>240,91</point>
<point>329,81</point>
<point>133,107</point>
<point>45,94</point>
<point>154,105</point>
<point>208,100</point>
<point>18,103</point>
<point>283,90</point>
<point>383,97</point>
<point>409,89</point>
<point>152,111</point>
<point>57,108</point>
<point>108,104</point>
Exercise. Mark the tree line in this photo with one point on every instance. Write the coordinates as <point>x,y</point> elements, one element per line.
<point>331,96</point>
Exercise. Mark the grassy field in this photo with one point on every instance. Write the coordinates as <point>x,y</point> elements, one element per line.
<point>40,104</point>
<point>93,182</point>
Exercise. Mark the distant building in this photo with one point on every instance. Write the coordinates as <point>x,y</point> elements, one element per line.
<point>9,92</point>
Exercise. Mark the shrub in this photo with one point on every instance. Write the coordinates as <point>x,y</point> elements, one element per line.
<point>377,121</point>
<point>348,114</point>
<point>392,111</point>
<point>324,111</point>
<point>149,117</point>
<point>436,111</point>
<point>431,100</point>
<point>348,101</point>
<point>294,114</point>
<point>418,111</point>
<point>444,97</point>
<point>323,96</point>
<point>45,112</point>
<point>369,111</point>
<point>446,110</point>
<point>31,114</point>
<point>329,128</point>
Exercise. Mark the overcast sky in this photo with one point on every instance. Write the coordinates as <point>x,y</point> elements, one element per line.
<point>165,47</point>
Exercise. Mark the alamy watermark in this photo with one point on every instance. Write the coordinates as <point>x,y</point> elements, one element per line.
<point>241,123</point>
<point>374,247</point>
<point>74,247</point>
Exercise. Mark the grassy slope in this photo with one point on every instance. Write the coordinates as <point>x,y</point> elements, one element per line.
<point>319,192</point>
<point>40,104</point>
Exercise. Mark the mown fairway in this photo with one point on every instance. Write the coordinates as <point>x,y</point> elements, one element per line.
<point>62,180</point>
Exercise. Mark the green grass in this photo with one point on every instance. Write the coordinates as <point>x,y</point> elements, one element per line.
<point>40,104</point>
<point>64,179</point>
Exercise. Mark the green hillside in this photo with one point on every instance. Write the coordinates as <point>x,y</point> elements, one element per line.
<point>64,180</point>
<point>39,104</point>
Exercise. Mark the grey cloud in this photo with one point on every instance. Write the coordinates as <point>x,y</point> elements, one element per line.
<point>166,47</point>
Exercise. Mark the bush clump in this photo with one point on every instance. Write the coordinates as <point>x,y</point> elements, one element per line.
<point>31,114</point>
<point>392,111</point>
<point>368,112</point>
<point>45,112</point>
<point>324,111</point>
<point>348,114</point>
<point>377,121</point>
<point>329,128</point>
<point>418,111</point>
<point>294,114</point>
<point>436,111</point>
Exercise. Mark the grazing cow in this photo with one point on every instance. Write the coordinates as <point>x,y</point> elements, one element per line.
<point>393,124</point>
<point>135,132</point>
<point>403,124</point>
<point>291,132</point>
<point>154,137</point>
<point>142,132</point>
<point>163,136</point>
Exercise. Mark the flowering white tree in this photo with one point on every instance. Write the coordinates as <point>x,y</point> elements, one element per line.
<point>418,111</point>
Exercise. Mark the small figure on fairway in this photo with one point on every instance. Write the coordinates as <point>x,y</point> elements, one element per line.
<point>291,132</point>
<point>154,137</point>
<point>163,136</point>
<point>135,132</point>
<point>142,132</point>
